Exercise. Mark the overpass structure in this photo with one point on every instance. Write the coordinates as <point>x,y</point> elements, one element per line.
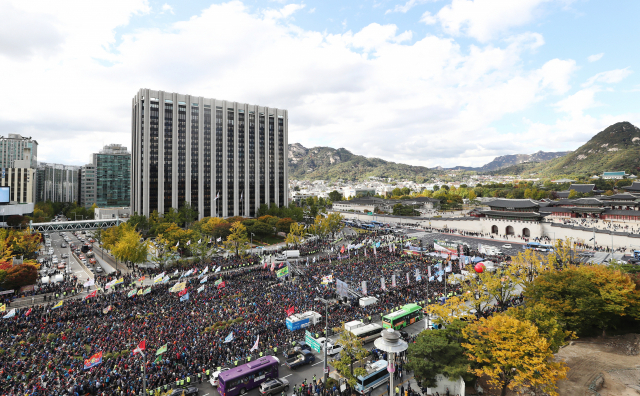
<point>75,225</point>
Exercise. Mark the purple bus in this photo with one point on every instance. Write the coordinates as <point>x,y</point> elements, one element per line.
<point>243,378</point>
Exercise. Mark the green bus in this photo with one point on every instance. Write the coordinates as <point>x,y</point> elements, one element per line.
<point>407,315</point>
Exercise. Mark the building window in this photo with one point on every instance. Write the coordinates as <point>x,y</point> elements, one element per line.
<point>195,136</point>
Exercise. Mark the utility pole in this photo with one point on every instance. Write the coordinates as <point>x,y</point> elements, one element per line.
<point>326,335</point>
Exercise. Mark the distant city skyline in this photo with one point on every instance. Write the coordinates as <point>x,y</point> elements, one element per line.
<point>421,82</point>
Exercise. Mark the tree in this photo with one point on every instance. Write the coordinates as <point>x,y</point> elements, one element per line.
<point>20,275</point>
<point>14,221</point>
<point>209,226</point>
<point>352,351</point>
<point>335,196</point>
<point>334,223</point>
<point>139,222</point>
<point>453,308</point>
<point>188,213</point>
<point>439,352</point>
<point>130,247</point>
<point>261,229</point>
<point>201,249</point>
<point>238,239</point>
<point>546,321</point>
<point>284,225</point>
<point>573,194</point>
<point>296,232</point>
<point>474,291</point>
<point>173,216</point>
<point>512,354</point>
<point>162,251</point>
<point>586,297</point>
<point>25,244</point>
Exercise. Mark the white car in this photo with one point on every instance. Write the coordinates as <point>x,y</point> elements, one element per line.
<point>333,349</point>
<point>507,246</point>
<point>213,380</point>
<point>54,260</point>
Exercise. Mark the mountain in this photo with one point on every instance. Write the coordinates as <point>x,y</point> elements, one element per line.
<point>617,148</point>
<point>327,163</point>
<point>515,159</point>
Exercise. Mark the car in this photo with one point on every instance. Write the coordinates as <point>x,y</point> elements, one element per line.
<point>62,265</point>
<point>54,260</point>
<point>213,380</point>
<point>92,240</point>
<point>84,261</point>
<point>188,390</point>
<point>99,269</point>
<point>51,271</point>
<point>50,250</point>
<point>81,256</point>
<point>64,255</point>
<point>63,245</point>
<point>274,387</point>
<point>92,261</point>
<point>507,246</point>
<point>404,335</point>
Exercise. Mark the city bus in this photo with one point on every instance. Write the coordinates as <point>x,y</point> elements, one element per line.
<point>407,315</point>
<point>377,375</point>
<point>368,332</point>
<point>377,223</point>
<point>239,380</point>
<point>538,246</point>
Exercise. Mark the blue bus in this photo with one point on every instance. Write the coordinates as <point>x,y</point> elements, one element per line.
<point>368,226</point>
<point>377,375</point>
<point>378,223</point>
<point>538,246</point>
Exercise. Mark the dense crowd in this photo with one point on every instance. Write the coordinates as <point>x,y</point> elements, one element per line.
<point>42,353</point>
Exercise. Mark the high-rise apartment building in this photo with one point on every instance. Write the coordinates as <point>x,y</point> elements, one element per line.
<point>12,148</point>
<point>22,182</point>
<point>87,185</point>
<point>57,182</point>
<point>193,149</point>
<point>107,181</point>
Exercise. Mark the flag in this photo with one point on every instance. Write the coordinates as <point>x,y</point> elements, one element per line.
<point>107,309</point>
<point>141,279</point>
<point>175,273</point>
<point>273,265</point>
<point>141,347</point>
<point>217,196</point>
<point>178,244</point>
<point>219,239</point>
<point>161,350</point>
<point>393,280</point>
<point>146,291</point>
<point>203,280</point>
<point>119,281</point>
<point>255,346</point>
<point>189,242</point>
<point>241,196</point>
<point>89,283</point>
<point>92,294</point>
<point>140,292</point>
<point>58,305</point>
<point>185,297</point>
<point>206,269</point>
<point>199,241</point>
<point>201,288</point>
<point>11,314</point>
<point>407,278</point>
<point>382,284</point>
<point>178,287</point>
<point>220,286</point>
<point>375,252</point>
<point>229,337</point>
<point>282,272</point>
<point>132,293</point>
<point>183,292</point>
<point>364,287</point>
<point>158,359</point>
<point>389,248</point>
<point>219,281</point>
<point>291,311</point>
<point>440,278</point>
<point>418,276</point>
<point>93,361</point>
<point>28,312</point>
<point>429,270</point>
<point>218,269</point>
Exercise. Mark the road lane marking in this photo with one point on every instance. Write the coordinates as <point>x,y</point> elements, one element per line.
<point>282,377</point>
<point>322,361</point>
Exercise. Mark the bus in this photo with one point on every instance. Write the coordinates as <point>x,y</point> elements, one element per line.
<point>378,223</point>
<point>407,315</point>
<point>538,246</point>
<point>367,226</point>
<point>368,332</point>
<point>377,374</point>
<point>243,378</point>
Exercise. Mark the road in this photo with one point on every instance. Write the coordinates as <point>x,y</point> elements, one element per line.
<point>472,241</point>
<point>295,377</point>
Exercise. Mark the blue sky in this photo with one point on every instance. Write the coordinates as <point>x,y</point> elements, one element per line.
<point>426,82</point>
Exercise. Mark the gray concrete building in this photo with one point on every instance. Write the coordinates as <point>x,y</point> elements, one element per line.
<point>12,148</point>
<point>57,182</point>
<point>223,158</point>
<point>87,185</point>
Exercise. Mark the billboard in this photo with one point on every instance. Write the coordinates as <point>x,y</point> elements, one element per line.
<point>5,194</point>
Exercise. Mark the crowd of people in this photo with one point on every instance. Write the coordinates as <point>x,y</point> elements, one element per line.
<point>43,348</point>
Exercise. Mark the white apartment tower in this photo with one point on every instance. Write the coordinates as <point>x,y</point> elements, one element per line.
<point>193,149</point>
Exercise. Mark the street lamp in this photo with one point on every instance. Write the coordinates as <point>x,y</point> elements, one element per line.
<point>391,343</point>
<point>326,335</point>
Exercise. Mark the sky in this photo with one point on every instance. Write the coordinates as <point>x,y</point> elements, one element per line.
<point>422,82</point>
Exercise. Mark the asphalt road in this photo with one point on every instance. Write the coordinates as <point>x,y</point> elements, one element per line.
<point>295,377</point>
<point>472,241</point>
<point>73,267</point>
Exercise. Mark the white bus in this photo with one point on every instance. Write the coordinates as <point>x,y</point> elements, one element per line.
<point>368,332</point>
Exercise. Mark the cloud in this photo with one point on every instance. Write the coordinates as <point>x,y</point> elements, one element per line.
<point>485,20</point>
<point>311,11</point>
<point>24,34</point>
<point>378,90</point>
<point>595,57</point>
<point>167,8</point>
<point>404,8</point>
<point>609,77</point>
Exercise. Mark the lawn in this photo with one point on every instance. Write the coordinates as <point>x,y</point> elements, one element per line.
<point>266,241</point>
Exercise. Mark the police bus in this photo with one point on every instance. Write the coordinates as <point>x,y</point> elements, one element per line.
<point>368,332</point>
<point>377,375</point>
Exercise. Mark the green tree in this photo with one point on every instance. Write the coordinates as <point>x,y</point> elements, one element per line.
<point>188,213</point>
<point>546,321</point>
<point>440,352</point>
<point>261,229</point>
<point>352,351</point>
<point>130,246</point>
<point>284,225</point>
<point>335,196</point>
<point>237,240</point>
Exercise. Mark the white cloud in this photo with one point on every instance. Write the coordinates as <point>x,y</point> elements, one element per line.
<point>404,8</point>
<point>311,11</point>
<point>428,19</point>
<point>377,91</point>
<point>609,77</point>
<point>167,8</point>
<point>595,57</point>
<point>485,20</point>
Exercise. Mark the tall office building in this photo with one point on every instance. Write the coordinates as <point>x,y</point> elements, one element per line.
<point>57,182</point>
<point>12,148</point>
<point>107,181</point>
<point>193,149</point>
